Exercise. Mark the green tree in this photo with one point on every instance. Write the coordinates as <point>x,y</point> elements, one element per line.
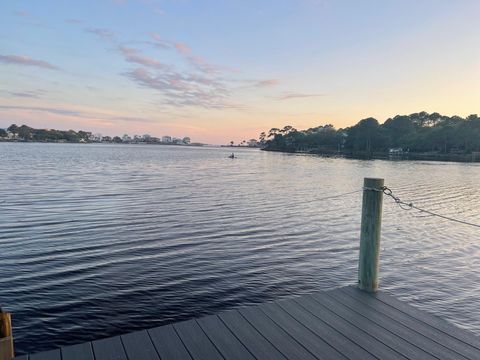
<point>25,132</point>
<point>13,129</point>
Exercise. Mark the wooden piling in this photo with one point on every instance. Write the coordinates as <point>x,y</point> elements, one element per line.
<point>6,338</point>
<point>368,262</point>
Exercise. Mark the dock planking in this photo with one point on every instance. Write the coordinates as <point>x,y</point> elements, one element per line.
<point>343,323</point>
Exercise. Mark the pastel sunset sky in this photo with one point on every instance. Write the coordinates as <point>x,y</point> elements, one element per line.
<point>226,70</point>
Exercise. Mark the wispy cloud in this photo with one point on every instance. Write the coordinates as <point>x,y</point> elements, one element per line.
<point>21,13</point>
<point>203,84</point>
<point>267,83</point>
<point>77,113</point>
<point>160,42</point>
<point>25,94</point>
<point>104,34</point>
<point>73,21</point>
<point>26,61</point>
<point>184,89</point>
<point>133,56</point>
<point>295,95</point>
<point>57,111</point>
<point>182,48</point>
<point>200,86</point>
<point>197,61</point>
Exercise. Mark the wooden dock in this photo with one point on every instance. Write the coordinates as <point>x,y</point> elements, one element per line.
<point>344,323</point>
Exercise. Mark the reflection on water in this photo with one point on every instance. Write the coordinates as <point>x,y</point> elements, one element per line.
<point>99,240</point>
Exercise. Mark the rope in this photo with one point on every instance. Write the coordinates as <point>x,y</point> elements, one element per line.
<point>409,206</point>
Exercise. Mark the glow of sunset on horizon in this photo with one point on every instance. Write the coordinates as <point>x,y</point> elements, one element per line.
<point>218,71</point>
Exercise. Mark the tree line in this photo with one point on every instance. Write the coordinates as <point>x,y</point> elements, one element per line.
<point>26,133</point>
<point>419,132</point>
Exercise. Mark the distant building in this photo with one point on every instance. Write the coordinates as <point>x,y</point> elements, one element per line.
<point>395,151</point>
<point>166,139</point>
<point>176,140</point>
<point>186,140</point>
<point>252,143</point>
<point>146,137</point>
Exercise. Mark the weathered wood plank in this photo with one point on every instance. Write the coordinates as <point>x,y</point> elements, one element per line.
<point>138,345</point>
<point>275,334</point>
<point>295,319</point>
<point>360,337</point>
<point>197,343</point>
<point>228,345</point>
<point>419,327</point>
<point>109,349</point>
<point>250,338</point>
<point>47,355</point>
<point>380,327</point>
<point>77,352</point>
<point>168,343</point>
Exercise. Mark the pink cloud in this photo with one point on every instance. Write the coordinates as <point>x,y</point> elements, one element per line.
<point>133,56</point>
<point>293,95</point>
<point>87,115</point>
<point>159,42</point>
<point>22,13</point>
<point>26,61</point>
<point>267,83</point>
<point>182,48</point>
<point>102,33</point>
<point>181,89</point>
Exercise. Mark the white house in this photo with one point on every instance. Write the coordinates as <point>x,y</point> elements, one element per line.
<point>252,143</point>
<point>166,139</point>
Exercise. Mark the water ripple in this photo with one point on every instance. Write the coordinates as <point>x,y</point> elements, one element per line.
<point>112,239</point>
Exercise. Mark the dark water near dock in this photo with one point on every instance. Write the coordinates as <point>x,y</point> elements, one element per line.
<point>98,240</point>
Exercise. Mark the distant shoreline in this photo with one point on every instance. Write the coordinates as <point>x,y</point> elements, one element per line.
<point>99,142</point>
<point>126,143</point>
<point>473,158</point>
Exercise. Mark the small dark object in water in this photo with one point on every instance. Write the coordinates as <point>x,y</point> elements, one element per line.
<point>232,156</point>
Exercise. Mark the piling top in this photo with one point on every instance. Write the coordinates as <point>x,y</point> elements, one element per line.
<point>373,182</point>
<point>373,179</point>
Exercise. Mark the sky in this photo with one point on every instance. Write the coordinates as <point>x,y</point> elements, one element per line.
<point>221,71</point>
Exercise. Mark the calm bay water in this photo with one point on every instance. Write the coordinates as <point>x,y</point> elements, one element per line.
<point>98,240</point>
